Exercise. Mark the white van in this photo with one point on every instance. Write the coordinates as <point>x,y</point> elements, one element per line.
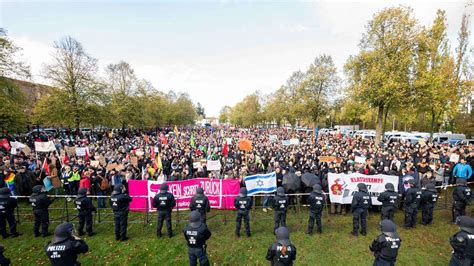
<point>449,138</point>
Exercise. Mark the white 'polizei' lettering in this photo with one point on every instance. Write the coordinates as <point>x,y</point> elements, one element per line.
<point>57,248</point>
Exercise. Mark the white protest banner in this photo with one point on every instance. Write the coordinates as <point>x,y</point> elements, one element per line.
<point>360,159</point>
<point>294,142</point>
<point>273,138</point>
<point>454,158</point>
<point>16,147</point>
<point>213,165</point>
<point>285,143</point>
<point>81,151</point>
<point>44,146</point>
<point>343,186</point>
<point>196,165</point>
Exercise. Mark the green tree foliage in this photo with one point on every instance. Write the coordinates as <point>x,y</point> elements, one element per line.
<point>73,72</point>
<point>380,73</point>
<point>247,112</point>
<point>224,114</point>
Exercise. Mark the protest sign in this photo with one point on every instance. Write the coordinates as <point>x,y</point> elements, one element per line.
<point>343,186</point>
<point>44,146</point>
<point>71,151</point>
<point>214,165</point>
<point>81,151</point>
<point>102,160</point>
<point>294,142</point>
<point>454,158</point>
<point>360,159</point>
<point>273,138</point>
<point>95,163</point>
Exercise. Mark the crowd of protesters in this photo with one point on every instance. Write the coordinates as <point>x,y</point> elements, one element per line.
<point>178,154</point>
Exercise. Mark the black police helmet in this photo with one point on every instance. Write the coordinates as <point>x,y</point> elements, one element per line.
<point>431,187</point>
<point>62,232</point>
<point>5,193</point>
<point>317,188</point>
<point>164,187</point>
<point>243,192</point>
<point>194,219</point>
<point>283,236</point>
<point>388,228</point>
<point>280,191</point>
<point>37,189</point>
<point>199,191</point>
<point>362,187</point>
<point>461,181</point>
<point>466,223</point>
<point>82,192</point>
<point>389,187</point>
<point>118,189</point>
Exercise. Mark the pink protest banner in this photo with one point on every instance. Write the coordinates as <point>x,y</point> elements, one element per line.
<point>221,193</point>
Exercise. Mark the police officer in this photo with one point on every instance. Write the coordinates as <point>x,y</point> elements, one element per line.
<point>280,204</point>
<point>7,208</point>
<point>65,247</point>
<point>412,202</point>
<point>4,261</point>
<point>120,205</point>
<point>243,204</point>
<point>385,247</point>
<point>389,200</point>
<point>461,198</point>
<point>463,242</point>
<point>361,201</point>
<point>317,201</point>
<point>85,207</point>
<point>282,252</point>
<point>40,203</point>
<point>196,234</point>
<point>429,197</point>
<point>164,202</point>
<point>200,203</point>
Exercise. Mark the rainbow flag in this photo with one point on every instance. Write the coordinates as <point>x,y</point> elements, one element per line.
<point>10,181</point>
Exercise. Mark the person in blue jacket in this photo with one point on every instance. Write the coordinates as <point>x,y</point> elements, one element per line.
<point>462,170</point>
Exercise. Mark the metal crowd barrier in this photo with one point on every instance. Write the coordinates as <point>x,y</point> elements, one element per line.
<point>68,212</point>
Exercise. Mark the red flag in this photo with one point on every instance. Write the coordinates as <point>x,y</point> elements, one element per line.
<point>87,155</point>
<point>5,144</point>
<point>66,159</point>
<point>225,151</point>
<point>153,153</point>
<point>45,166</point>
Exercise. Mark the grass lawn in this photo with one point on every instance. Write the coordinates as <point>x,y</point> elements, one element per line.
<point>421,246</point>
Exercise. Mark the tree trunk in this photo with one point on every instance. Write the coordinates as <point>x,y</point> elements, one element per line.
<point>432,124</point>
<point>379,125</point>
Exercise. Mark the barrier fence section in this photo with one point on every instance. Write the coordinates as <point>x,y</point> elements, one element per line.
<point>67,212</point>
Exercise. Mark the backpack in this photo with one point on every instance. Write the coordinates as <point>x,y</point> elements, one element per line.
<point>104,183</point>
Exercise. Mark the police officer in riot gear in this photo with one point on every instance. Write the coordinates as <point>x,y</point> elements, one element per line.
<point>164,202</point>
<point>85,208</point>
<point>40,203</point>
<point>120,205</point>
<point>282,252</point>
<point>200,203</point>
<point>4,261</point>
<point>280,205</point>
<point>385,247</point>
<point>429,197</point>
<point>361,201</point>
<point>243,204</point>
<point>412,202</point>
<point>317,201</point>
<point>196,234</point>
<point>461,198</point>
<point>463,242</point>
<point>7,208</point>
<point>389,200</point>
<point>65,247</point>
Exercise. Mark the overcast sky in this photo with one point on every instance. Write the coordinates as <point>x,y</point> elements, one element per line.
<point>217,52</point>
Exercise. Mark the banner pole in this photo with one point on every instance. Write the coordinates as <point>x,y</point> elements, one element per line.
<point>177,210</point>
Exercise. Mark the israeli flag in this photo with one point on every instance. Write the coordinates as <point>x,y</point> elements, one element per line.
<point>262,183</point>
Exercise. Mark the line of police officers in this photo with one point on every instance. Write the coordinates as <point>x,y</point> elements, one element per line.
<point>65,247</point>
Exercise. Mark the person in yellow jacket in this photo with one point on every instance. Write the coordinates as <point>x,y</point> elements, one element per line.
<point>74,181</point>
